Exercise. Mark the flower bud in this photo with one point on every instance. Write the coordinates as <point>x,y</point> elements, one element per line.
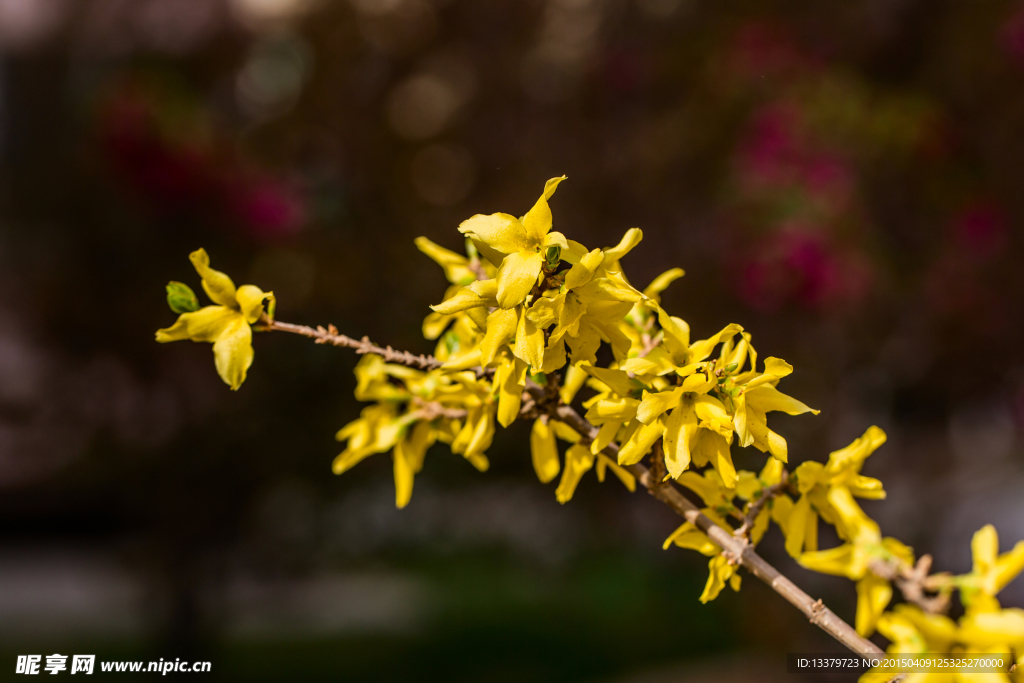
<point>181,298</point>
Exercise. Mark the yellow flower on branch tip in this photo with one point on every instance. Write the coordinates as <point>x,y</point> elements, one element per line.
<point>520,244</point>
<point>227,325</point>
<point>991,571</point>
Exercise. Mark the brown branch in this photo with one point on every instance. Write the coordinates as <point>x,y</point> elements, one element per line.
<point>736,549</point>
<point>330,335</point>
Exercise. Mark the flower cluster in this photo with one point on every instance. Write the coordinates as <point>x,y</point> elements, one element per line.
<point>519,334</point>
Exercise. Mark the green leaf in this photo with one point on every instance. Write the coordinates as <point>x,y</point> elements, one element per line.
<point>181,298</point>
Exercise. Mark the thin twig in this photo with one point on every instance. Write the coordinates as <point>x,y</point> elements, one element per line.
<point>736,549</point>
<point>330,335</point>
<point>915,583</point>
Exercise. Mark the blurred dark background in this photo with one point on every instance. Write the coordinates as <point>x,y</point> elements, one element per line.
<point>843,179</point>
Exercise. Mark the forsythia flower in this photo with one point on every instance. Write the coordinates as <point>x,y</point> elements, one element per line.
<point>227,325</point>
<point>519,244</point>
<point>991,571</point>
<point>820,485</point>
<point>456,409</point>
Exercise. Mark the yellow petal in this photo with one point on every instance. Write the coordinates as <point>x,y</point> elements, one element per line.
<point>625,245</point>
<point>250,301</point>
<point>640,443</point>
<point>232,352</point>
<point>680,431</point>
<point>545,311</point>
<point>581,273</point>
<point>575,376</point>
<point>689,536</point>
<point>616,380</point>
<point>720,571</point>
<point>774,369</point>
<point>700,350</point>
<point>624,475</point>
<point>434,324</point>
<point>661,282</point>
<point>463,360</point>
<point>462,300</point>
<point>716,451</point>
<point>990,629</point>
<point>554,356</point>
<point>455,266</point>
<point>616,409</point>
<point>537,220</point>
<point>530,343</point>
<point>605,435</point>
<point>517,275</point>
<point>217,285</point>
<point>873,596</point>
<point>741,421</point>
<point>204,325</point>
<point>499,231</point>
<point>767,398</point>
<point>403,478</point>
<point>676,334</point>
<point>837,561</point>
<point>544,451</point>
<point>501,327</point>
<point>1008,566</point>
<point>796,527</point>
<point>510,379</point>
<point>554,239</point>
<point>482,436</point>
<point>984,549</point>
<point>583,346</point>
<point>852,457</point>
<point>653,405</point>
<point>578,460</point>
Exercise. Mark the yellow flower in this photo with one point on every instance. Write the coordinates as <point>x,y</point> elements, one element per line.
<point>519,244</point>
<point>758,396</point>
<point>991,571</point>
<point>414,410</point>
<point>584,310</point>
<point>227,325</point>
<point>823,487</point>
